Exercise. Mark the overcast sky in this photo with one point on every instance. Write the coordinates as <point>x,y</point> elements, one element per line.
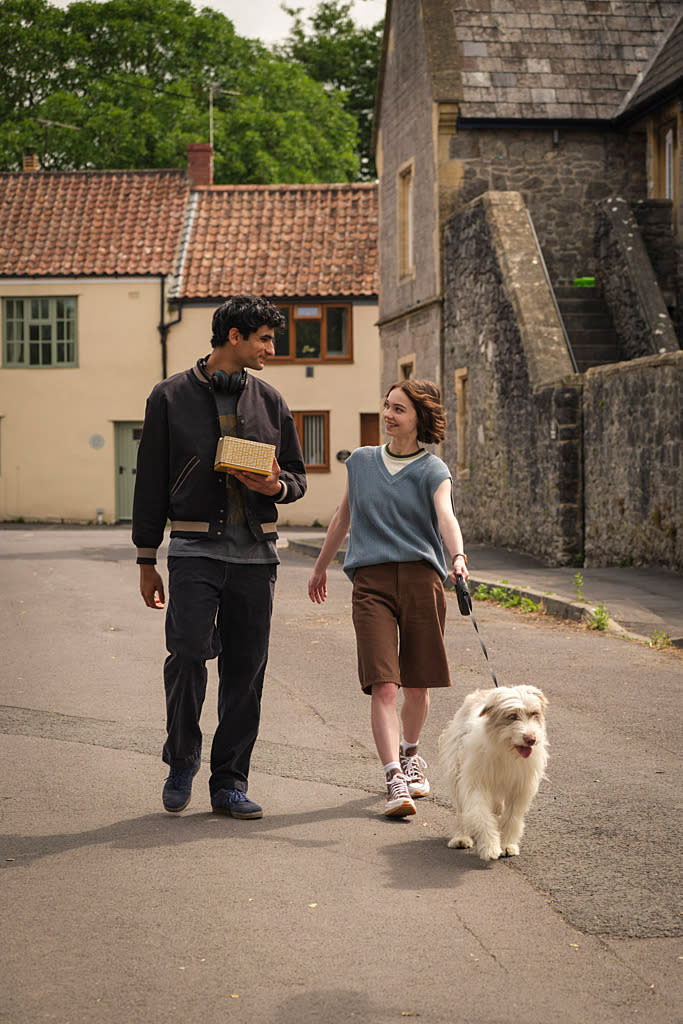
<point>264,19</point>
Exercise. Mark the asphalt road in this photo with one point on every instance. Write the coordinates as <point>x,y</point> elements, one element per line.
<point>323,911</point>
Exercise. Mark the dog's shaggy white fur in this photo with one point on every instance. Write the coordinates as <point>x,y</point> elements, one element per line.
<point>494,753</point>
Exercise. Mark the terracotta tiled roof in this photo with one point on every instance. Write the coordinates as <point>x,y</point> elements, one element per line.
<point>91,222</point>
<point>555,59</point>
<point>281,240</point>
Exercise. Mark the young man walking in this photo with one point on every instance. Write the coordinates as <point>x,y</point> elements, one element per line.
<point>222,558</point>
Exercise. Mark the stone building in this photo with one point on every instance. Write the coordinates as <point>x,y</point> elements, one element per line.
<point>531,261</point>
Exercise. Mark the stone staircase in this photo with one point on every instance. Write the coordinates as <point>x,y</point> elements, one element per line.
<point>589,326</point>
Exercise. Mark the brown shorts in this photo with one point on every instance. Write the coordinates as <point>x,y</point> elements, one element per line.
<point>400,603</point>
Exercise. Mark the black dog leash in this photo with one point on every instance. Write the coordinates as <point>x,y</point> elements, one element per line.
<point>465,605</point>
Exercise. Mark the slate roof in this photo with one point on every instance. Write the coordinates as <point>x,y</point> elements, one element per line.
<point>664,75</point>
<point>281,240</point>
<point>540,59</point>
<point>91,222</point>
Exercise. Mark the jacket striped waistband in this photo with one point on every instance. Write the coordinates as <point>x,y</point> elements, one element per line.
<point>186,526</point>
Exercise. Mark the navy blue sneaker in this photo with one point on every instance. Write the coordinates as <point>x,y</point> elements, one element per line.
<point>235,803</point>
<point>178,787</point>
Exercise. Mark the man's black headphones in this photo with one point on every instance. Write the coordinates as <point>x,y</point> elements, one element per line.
<point>228,383</point>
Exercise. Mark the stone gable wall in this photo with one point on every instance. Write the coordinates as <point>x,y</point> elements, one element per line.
<point>405,120</point>
<point>416,334</point>
<point>560,176</point>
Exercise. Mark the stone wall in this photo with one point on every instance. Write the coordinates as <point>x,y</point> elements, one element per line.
<point>405,121</point>
<point>519,485</point>
<point>560,174</point>
<point>654,220</point>
<point>555,464</point>
<point>629,283</point>
<point>418,335</point>
<point>633,430</point>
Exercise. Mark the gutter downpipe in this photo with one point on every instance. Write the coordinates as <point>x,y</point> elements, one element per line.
<point>165,326</point>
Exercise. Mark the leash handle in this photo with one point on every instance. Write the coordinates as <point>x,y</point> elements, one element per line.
<point>465,605</point>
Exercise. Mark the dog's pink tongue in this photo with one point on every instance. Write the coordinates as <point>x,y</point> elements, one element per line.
<point>524,751</point>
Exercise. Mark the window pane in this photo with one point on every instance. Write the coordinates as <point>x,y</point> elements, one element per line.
<point>337,331</point>
<point>43,322</point>
<point>282,334</point>
<point>308,339</point>
<point>15,353</point>
<point>314,440</point>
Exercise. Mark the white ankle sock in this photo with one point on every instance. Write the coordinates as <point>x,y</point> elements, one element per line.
<point>390,767</point>
<point>405,746</point>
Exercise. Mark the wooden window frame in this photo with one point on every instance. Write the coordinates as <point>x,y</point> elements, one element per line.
<point>664,145</point>
<point>27,320</point>
<point>299,417</point>
<point>294,316</point>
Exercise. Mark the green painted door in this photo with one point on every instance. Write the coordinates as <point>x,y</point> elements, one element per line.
<point>127,439</point>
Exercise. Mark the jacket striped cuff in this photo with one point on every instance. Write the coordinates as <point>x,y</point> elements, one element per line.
<point>147,556</point>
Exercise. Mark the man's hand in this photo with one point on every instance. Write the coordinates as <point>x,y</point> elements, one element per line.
<point>151,586</point>
<point>257,482</point>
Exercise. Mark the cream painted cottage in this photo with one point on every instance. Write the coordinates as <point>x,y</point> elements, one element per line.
<point>108,281</point>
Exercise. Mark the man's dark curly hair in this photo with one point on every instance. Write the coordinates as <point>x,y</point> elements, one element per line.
<point>245,312</point>
<point>426,397</point>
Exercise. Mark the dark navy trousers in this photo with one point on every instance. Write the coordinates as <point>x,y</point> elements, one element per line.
<point>216,609</point>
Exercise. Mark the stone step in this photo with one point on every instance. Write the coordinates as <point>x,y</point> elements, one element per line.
<point>589,326</point>
<point>600,350</point>
<point>586,320</point>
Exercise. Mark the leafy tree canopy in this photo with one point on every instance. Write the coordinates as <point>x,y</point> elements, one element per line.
<point>344,58</point>
<point>128,83</point>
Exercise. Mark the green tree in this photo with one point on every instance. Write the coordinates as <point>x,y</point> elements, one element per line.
<point>125,84</point>
<point>344,58</point>
<point>32,55</point>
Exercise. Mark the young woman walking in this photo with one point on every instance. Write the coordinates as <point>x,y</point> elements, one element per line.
<point>398,511</point>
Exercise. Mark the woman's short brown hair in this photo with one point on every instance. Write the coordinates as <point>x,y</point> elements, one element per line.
<point>426,397</point>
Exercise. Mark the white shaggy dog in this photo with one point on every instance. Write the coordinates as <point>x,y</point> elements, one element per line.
<point>494,753</point>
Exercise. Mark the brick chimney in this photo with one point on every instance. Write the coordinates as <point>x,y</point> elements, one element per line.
<point>31,162</point>
<point>200,163</point>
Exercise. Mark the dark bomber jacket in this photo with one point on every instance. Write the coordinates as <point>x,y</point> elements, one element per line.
<point>175,478</point>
